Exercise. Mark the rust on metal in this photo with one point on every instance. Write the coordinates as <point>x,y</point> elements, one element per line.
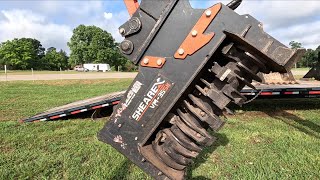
<point>196,39</point>
<point>153,62</point>
<point>132,6</point>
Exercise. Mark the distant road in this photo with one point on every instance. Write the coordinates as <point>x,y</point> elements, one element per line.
<point>68,76</point>
<point>22,76</point>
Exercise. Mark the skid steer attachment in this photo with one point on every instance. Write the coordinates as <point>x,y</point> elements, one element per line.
<point>192,65</point>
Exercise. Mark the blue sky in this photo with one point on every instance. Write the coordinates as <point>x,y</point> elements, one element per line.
<point>52,22</point>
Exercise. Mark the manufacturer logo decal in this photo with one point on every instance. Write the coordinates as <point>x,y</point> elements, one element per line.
<point>132,93</point>
<point>151,100</point>
<point>130,96</point>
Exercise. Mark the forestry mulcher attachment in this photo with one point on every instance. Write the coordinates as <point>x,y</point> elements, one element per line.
<point>192,65</point>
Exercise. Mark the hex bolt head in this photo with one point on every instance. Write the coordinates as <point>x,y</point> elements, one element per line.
<point>159,62</point>
<point>122,30</point>
<point>125,46</point>
<point>194,33</point>
<point>181,51</point>
<point>208,13</point>
<point>198,135</point>
<point>163,138</point>
<point>145,61</point>
<point>202,113</point>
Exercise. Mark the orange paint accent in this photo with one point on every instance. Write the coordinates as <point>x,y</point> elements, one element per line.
<point>152,62</point>
<point>193,43</point>
<point>132,6</point>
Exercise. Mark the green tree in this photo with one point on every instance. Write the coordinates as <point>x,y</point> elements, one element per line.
<point>91,44</point>
<point>54,60</point>
<point>295,45</point>
<point>24,53</point>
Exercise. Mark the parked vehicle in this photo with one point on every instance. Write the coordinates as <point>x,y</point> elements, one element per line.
<point>80,69</point>
<point>97,67</point>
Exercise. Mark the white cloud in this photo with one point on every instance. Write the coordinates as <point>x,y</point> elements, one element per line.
<point>22,23</point>
<point>107,15</point>
<point>35,21</point>
<point>52,21</point>
<point>297,20</point>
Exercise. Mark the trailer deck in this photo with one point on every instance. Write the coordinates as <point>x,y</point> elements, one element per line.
<point>305,89</point>
<point>78,107</point>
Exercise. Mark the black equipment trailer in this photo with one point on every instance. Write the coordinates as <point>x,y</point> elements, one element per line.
<point>305,89</point>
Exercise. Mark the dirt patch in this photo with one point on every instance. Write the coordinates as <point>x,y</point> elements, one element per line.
<point>6,149</point>
<point>257,139</point>
<point>216,158</point>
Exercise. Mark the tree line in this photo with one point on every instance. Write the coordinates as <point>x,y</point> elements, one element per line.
<point>88,44</point>
<point>27,53</point>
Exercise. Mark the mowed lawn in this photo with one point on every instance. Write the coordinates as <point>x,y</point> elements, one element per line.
<point>276,139</point>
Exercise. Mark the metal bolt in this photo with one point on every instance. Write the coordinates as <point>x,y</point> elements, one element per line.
<point>208,13</point>
<point>122,30</point>
<point>142,125</point>
<point>143,160</point>
<point>181,51</point>
<point>159,62</point>
<point>202,113</point>
<point>136,138</point>
<point>125,46</point>
<point>198,135</point>
<point>119,125</point>
<point>163,138</point>
<point>146,61</point>
<point>160,173</point>
<point>194,33</point>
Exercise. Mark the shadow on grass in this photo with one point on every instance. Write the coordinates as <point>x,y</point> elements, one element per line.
<point>278,109</point>
<point>306,126</point>
<point>222,140</point>
<point>122,170</point>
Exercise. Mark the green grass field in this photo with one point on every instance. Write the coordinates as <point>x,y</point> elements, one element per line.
<point>265,140</point>
<point>29,72</point>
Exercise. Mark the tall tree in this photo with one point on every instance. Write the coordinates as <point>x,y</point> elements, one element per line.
<point>24,53</point>
<point>91,44</point>
<point>295,45</point>
<point>54,60</point>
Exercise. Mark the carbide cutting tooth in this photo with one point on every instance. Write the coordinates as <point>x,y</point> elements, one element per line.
<point>178,158</point>
<point>198,138</point>
<point>191,123</point>
<point>201,90</point>
<point>164,156</point>
<point>184,140</point>
<point>206,83</point>
<point>175,143</point>
<point>213,121</point>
